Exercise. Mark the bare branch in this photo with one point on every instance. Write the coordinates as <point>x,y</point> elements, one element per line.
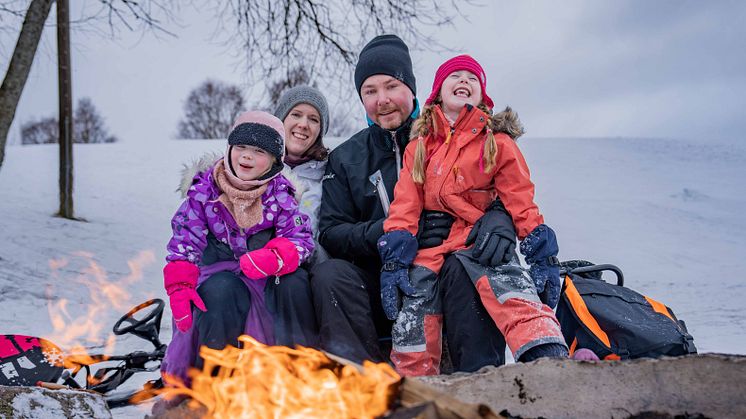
<point>209,111</point>
<point>323,37</point>
<point>6,8</point>
<point>134,15</point>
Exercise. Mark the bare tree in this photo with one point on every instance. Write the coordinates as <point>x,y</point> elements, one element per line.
<point>88,127</point>
<point>209,111</point>
<point>43,131</point>
<point>342,120</point>
<point>115,12</point>
<point>323,37</point>
<point>273,37</point>
<point>89,124</point>
<point>291,42</point>
<point>295,77</point>
<point>20,66</point>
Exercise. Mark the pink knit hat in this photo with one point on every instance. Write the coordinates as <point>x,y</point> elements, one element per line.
<point>259,129</point>
<point>260,117</point>
<point>461,62</point>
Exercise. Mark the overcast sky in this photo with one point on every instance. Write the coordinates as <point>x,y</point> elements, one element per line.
<point>583,68</point>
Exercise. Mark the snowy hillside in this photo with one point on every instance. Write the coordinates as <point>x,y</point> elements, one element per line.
<point>669,213</point>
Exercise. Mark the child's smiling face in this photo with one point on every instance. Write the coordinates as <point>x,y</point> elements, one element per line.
<point>250,162</point>
<point>460,88</point>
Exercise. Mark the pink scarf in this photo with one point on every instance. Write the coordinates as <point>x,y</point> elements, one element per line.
<point>242,198</point>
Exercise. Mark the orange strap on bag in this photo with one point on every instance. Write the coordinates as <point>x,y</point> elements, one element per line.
<point>582,310</point>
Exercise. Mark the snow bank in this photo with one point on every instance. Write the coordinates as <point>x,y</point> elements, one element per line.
<point>38,403</point>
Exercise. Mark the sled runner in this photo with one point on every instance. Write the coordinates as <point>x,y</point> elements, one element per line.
<point>616,322</point>
<point>31,361</point>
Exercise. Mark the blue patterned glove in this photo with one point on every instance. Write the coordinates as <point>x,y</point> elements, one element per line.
<point>540,249</point>
<point>398,250</point>
<point>392,283</point>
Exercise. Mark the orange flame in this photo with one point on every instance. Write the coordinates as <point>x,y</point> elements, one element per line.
<point>77,327</point>
<point>261,381</point>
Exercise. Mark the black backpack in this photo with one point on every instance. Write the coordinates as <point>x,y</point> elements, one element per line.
<point>613,321</point>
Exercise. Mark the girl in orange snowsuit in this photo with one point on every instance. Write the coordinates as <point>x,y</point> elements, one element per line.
<point>459,163</point>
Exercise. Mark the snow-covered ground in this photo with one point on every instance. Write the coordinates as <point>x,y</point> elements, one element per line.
<point>669,213</point>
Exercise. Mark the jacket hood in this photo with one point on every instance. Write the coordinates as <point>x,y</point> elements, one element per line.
<point>296,183</point>
<point>506,121</point>
<point>190,171</point>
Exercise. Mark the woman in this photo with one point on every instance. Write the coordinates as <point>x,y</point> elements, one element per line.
<point>305,115</point>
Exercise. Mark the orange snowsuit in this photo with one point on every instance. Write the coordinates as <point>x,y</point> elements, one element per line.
<point>456,183</point>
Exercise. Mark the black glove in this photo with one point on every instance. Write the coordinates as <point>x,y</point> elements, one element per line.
<point>493,236</point>
<point>435,226</point>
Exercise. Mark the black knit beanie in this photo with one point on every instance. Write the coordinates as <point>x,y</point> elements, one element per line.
<point>262,136</point>
<point>389,55</point>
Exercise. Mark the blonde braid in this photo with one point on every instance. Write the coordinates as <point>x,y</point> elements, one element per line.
<point>489,152</point>
<point>423,125</point>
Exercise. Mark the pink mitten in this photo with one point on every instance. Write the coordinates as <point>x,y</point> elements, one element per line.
<point>278,257</point>
<point>584,354</point>
<point>180,280</point>
<point>259,263</point>
<point>286,251</point>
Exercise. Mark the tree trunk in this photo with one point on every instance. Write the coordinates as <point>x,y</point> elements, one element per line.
<point>65,110</point>
<point>20,66</point>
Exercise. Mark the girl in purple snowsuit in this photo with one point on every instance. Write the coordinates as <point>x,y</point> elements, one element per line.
<point>238,240</point>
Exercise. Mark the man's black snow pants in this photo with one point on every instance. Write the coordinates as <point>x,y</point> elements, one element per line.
<point>352,323</point>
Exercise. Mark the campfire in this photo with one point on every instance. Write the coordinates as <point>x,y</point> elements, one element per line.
<point>79,328</point>
<point>260,381</point>
<point>255,380</point>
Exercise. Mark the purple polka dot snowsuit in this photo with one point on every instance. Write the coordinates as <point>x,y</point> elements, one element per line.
<point>202,213</point>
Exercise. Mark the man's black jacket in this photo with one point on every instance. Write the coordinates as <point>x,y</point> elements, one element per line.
<point>351,215</point>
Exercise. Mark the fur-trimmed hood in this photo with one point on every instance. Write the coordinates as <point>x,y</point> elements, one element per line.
<point>205,162</point>
<point>191,169</point>
<point>506,121</point>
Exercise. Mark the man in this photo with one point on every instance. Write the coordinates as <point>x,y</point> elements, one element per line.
<point>357,189</point>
